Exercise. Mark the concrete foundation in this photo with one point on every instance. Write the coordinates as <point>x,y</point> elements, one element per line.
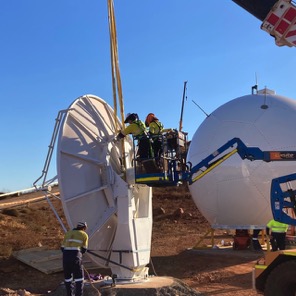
<point>154,286</point>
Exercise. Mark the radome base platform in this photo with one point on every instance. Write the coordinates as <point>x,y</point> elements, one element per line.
<point>153,286</point>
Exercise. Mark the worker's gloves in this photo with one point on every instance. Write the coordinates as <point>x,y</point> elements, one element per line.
<point>118,138</point>
<point>83,250</point>
<point>115,140</point>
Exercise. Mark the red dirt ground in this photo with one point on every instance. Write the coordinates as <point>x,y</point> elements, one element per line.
<point>210,271</point>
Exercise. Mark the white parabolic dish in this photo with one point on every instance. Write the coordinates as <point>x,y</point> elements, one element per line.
<point>118,212</point>
<point>236,194</point>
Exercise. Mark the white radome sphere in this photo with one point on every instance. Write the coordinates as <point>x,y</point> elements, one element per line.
<point>236,194</point>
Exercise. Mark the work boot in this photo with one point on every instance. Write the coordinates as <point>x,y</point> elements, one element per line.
<point>79,288</point>
<point>69,288</point>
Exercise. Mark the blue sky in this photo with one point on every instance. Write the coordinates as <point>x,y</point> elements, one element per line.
<point>54,51</point>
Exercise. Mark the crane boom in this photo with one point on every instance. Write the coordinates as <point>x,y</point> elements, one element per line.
<point>282,195</point>
<point>259,9</point>
<point>174,171</point>
<point>278,18</point>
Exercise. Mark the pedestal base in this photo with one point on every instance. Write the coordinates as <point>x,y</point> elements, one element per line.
<point>154,286</point>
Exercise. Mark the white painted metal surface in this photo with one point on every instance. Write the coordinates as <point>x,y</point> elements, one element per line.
<point>118,212</point>
<point>236,194</point>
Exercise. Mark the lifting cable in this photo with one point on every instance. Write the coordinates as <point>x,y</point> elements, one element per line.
<point>108,260</point>
<point>116,79</point>
<point>117,89</point>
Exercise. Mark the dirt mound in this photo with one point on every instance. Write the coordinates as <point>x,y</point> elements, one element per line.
<point>177,227</point>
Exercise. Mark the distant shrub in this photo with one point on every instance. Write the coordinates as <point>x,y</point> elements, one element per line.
<point>5,251</point>
<point>25,211</point>
<point>10,212</point>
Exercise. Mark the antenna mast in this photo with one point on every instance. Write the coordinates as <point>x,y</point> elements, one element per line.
<point>201,109</point>
<point>255,87</point>
<point>181,116</point>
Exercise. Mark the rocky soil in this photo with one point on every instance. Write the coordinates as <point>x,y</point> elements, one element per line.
<point>177,228</point>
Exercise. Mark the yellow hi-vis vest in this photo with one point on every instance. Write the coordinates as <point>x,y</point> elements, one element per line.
<point>155,127</point>
<point>75,240</point>
<point>276,226</point>
<point>137,128</point>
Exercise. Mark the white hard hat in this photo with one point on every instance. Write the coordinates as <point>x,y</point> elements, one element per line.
<point>81,224</point>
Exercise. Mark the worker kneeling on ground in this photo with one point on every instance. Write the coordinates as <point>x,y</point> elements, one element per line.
<point>75,244</point>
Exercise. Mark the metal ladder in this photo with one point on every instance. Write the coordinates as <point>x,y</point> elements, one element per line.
<point>46,184</point>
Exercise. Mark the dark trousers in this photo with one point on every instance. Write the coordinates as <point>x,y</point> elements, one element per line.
<point>157,148</point>
<point>278,241</point>
<point>255,241</point>
<point>73,271</point>
<point>144,151</point>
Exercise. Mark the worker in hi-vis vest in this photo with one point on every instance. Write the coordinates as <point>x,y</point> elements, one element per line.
<point>137,128</point>
<point>155,127</point>
<point>277,232</point>
<point>75,244</point>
